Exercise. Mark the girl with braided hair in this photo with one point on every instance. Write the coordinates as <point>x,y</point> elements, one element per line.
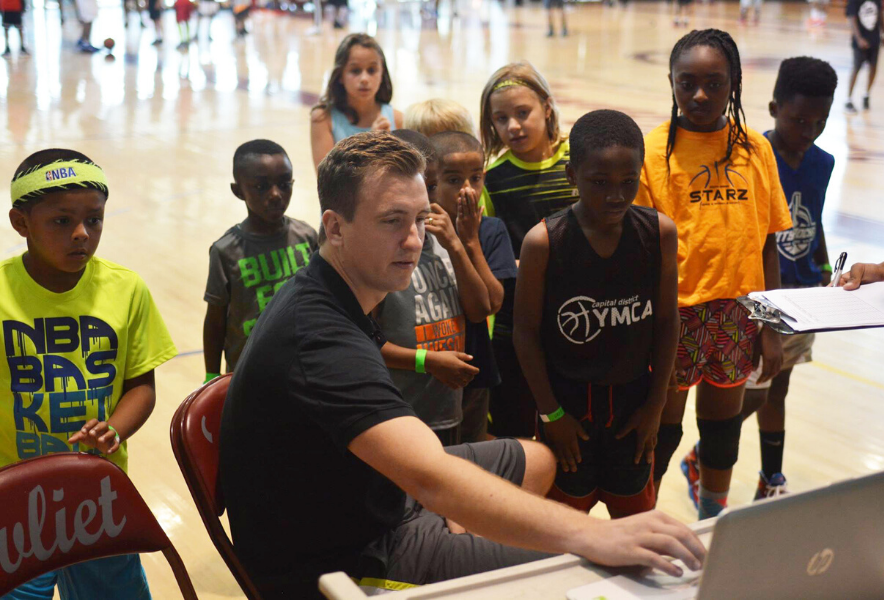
<point>718,180</point>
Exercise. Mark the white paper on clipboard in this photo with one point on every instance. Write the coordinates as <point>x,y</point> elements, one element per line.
<point>820,308</point>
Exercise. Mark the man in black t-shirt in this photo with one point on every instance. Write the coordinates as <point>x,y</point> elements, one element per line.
<point>866,24</point>
<point>324,467</point>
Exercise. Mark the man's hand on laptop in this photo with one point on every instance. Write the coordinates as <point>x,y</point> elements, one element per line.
<point>644,539</point>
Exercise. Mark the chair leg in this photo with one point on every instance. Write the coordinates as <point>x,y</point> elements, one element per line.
<point>180,572</point>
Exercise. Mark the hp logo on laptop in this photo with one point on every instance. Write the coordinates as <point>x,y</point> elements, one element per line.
<point>820,562</point>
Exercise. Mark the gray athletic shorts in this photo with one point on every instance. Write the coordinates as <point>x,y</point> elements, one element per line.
<point>421,550</point>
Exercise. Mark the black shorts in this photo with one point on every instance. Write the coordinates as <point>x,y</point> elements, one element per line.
<point>421,550</point>
<point>608,472</point>
<point>869,55</point>
<point>337,3</point>
<point>553,4</point>
<point>12,18</point>
<point>154,9</point>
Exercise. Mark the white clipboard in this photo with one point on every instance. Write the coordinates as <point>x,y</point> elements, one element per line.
<point>808,310</point>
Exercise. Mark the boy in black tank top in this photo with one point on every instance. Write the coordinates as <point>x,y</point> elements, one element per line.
<point>596,322</point>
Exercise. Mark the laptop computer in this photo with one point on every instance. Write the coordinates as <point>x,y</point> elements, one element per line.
<point>823,544</point>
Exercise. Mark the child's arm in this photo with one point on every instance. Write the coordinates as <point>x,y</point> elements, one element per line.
<point>450,367</point>
<point>646,420</point>
<point>470,287</point>
<point>321,138</point>
<point>854,28</point>
<point>861,273</point>
<point>469,219</point>
<point>133,409</point>
<point>821,257</point>
<point>564,432</point>
<point>214,330</point>
<point>771,344</point>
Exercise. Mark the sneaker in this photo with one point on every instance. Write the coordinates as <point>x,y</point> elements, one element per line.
<point>86,47</point>
<point>157,42</point>
<point>850,108</point>
<point>7,52</point>
<point>564,32</point>
<point>551,33</point>
<point>24,51</point>
<point>338,25</point>
<point>690,467</point>
<point>771,488</point>
<point>865,103</point>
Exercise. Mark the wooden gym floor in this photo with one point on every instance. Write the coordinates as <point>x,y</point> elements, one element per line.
<point>164,124</point>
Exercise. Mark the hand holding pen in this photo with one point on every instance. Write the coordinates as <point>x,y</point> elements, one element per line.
<point>839,268</point>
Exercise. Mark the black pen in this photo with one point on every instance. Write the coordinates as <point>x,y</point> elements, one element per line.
<point>839,267</point>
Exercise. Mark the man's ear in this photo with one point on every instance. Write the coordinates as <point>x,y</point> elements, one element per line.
<point>773,108</point>
<point>332,224</point>
<point>19,221</point>
<point>237,191</point>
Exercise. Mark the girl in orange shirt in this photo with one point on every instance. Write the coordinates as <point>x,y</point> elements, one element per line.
<point>718,180</point>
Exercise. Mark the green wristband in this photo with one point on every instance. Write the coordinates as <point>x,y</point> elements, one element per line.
<point>420,358</point>
<point>211,376</point>
<point>116,433</point>
<point>826,267</point>
<point>553,416</point>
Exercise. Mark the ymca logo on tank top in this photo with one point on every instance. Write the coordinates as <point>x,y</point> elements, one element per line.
<point>598,312</point>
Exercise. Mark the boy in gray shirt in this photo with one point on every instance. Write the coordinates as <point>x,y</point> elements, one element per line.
<point>254,258</point>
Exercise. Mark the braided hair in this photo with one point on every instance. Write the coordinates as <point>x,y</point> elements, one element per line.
<point>724,43</point>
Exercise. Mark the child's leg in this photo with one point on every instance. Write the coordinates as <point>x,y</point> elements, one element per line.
<point>21,38</point>
<point>772,425</point>
<point>670,433</point>
<point>112,577</point>
<point>564,23</point>
<point>857,65</point>
<point>873,70</point>
<point>719,420</point>
<point>6,38</point>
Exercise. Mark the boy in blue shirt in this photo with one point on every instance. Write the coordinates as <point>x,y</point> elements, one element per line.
<point>803,96</point>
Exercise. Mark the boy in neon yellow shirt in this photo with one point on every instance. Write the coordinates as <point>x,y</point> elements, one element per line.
<point>82,338</point>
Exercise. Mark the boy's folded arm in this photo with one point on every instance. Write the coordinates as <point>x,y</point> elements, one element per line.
<point>214,330</point>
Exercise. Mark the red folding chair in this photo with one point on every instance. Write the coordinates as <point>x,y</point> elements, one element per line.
<point>66,508</point>
<point>196,429</point>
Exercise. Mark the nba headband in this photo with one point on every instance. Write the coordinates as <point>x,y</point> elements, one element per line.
<point>508,83</point>
<point>59,175</point>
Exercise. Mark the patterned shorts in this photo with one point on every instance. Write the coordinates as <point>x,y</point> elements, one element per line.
<point>715,344</point>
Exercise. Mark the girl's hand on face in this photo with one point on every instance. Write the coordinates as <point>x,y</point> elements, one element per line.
<point>382,123</point>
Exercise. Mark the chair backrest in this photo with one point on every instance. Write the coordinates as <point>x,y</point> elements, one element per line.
<point>195,433</point>
<point>65,508</point>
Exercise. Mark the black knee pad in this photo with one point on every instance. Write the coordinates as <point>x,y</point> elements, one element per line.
<point>668,439</point>
<point>719,442</point>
